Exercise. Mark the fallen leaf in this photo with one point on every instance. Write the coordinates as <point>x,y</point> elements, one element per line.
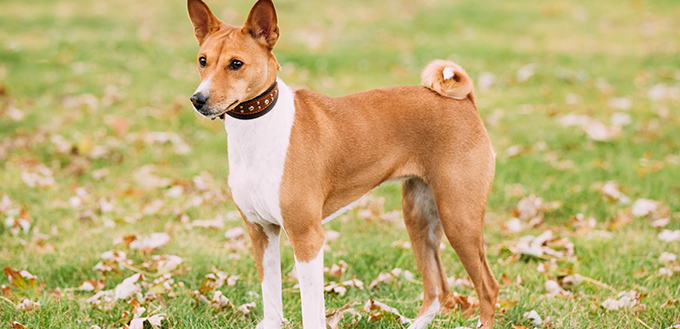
<point>217,223</point>
<point>336,270</point>
<point>17,325</point>
<point>395,273</point>
<point>245,308</point>
<point>598,131</point>
<point>525,72</point>
<point>377,310</point>
<point>644,207</point>
<point>217,279</point>
<point>163,264</point>
<point>626,300</point>
<point>128,287</point>
<point>553,289</point>
<point>92,285</point>
<point>332,235</point>
<point>612,192</point>
<point>667,257</point>
<point>334,316</point>
<point>534,317</point>
<point>144,176</point>
<point>235,233</point>
<point>27,305</point>
<point>150,242</point>
<point>669,303</point>
<point>341,287</point>
<point>467,305</point>
<point>220,302</point>
<point>154,321</point>
<point>23,280</point>
<point>669,236</point>
<point>620,103</point>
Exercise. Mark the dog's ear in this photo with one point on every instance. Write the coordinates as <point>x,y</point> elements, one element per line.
<point>202,18</point>
<point>262,23</point>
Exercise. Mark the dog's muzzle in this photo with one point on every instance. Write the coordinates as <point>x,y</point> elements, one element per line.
<point>199,100</point>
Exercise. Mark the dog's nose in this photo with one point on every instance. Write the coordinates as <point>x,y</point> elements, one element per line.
<point>198,99</point>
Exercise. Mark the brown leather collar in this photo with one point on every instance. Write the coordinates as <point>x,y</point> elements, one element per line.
<point>257,106</point>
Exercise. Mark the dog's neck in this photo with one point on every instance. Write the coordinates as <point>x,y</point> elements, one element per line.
<point>257,106</point>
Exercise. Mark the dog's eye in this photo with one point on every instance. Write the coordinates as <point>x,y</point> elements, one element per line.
<point>235,64</point>
<point>202,61</point>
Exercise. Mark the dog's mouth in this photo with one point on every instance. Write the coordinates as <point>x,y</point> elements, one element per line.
<point>227,109</point>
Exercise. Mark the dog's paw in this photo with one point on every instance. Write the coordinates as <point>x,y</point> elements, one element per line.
<point>269,324</point>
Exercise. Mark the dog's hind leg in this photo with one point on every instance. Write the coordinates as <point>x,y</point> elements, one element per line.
<point>265,240</point>
<point>461,202</point>
<point>425,230</point>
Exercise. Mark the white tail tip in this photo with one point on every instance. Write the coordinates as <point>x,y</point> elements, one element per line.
<point>448,79</point>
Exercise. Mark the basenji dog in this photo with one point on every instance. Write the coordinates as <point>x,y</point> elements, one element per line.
<point>297,159</point>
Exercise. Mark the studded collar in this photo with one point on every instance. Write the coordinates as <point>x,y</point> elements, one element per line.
<point>257,106</point>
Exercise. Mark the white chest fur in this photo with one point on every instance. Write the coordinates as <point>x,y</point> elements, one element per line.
<point>257,155</point>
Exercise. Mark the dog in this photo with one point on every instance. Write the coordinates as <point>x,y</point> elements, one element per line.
<point>297,159</point>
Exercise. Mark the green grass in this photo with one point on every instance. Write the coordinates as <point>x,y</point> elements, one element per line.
<point>135,61</point>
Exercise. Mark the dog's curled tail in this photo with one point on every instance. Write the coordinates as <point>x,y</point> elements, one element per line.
<point>448,79</point>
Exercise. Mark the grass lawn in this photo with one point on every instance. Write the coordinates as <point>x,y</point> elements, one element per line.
<point>100,149</point>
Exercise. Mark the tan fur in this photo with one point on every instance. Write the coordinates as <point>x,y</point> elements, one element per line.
<point>341,148</point>
<point>460,86</point>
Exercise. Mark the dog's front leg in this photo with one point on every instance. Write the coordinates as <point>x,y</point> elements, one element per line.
<point>265,240</point>
<point>307,241</point>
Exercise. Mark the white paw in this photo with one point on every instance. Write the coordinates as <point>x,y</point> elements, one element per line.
<point>269,324</point>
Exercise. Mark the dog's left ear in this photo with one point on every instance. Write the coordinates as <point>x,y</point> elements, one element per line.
<point>202,18</point>
<point>262,23</point>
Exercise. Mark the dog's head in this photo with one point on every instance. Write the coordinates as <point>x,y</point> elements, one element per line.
<point>235,63</point>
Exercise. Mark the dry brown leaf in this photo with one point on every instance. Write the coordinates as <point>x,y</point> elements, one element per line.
<point>154,321</point>
<point>245,308</point>
<point>27,305</point>
<point>670,303</point>
<point>235,233</point>
<point>534,317</point>
<point>626,300</point>
<point>336,270</point>
<point>217,279</point>
<point>669,236</point>
<point>505,280</point>
<point>612,192</point>
<point>644,207</point>
<point>92,285</point>
<point>467,305</point>
<point>150,242</point>
<point>377,310</point>
<point>504,306</point>
<point>17,325</point>
<point>128,287</point>
<point>216,223</point>
<point>334,316</point>
<point>220,302</point>
<point>341,287</point>
<point>23,280</point>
